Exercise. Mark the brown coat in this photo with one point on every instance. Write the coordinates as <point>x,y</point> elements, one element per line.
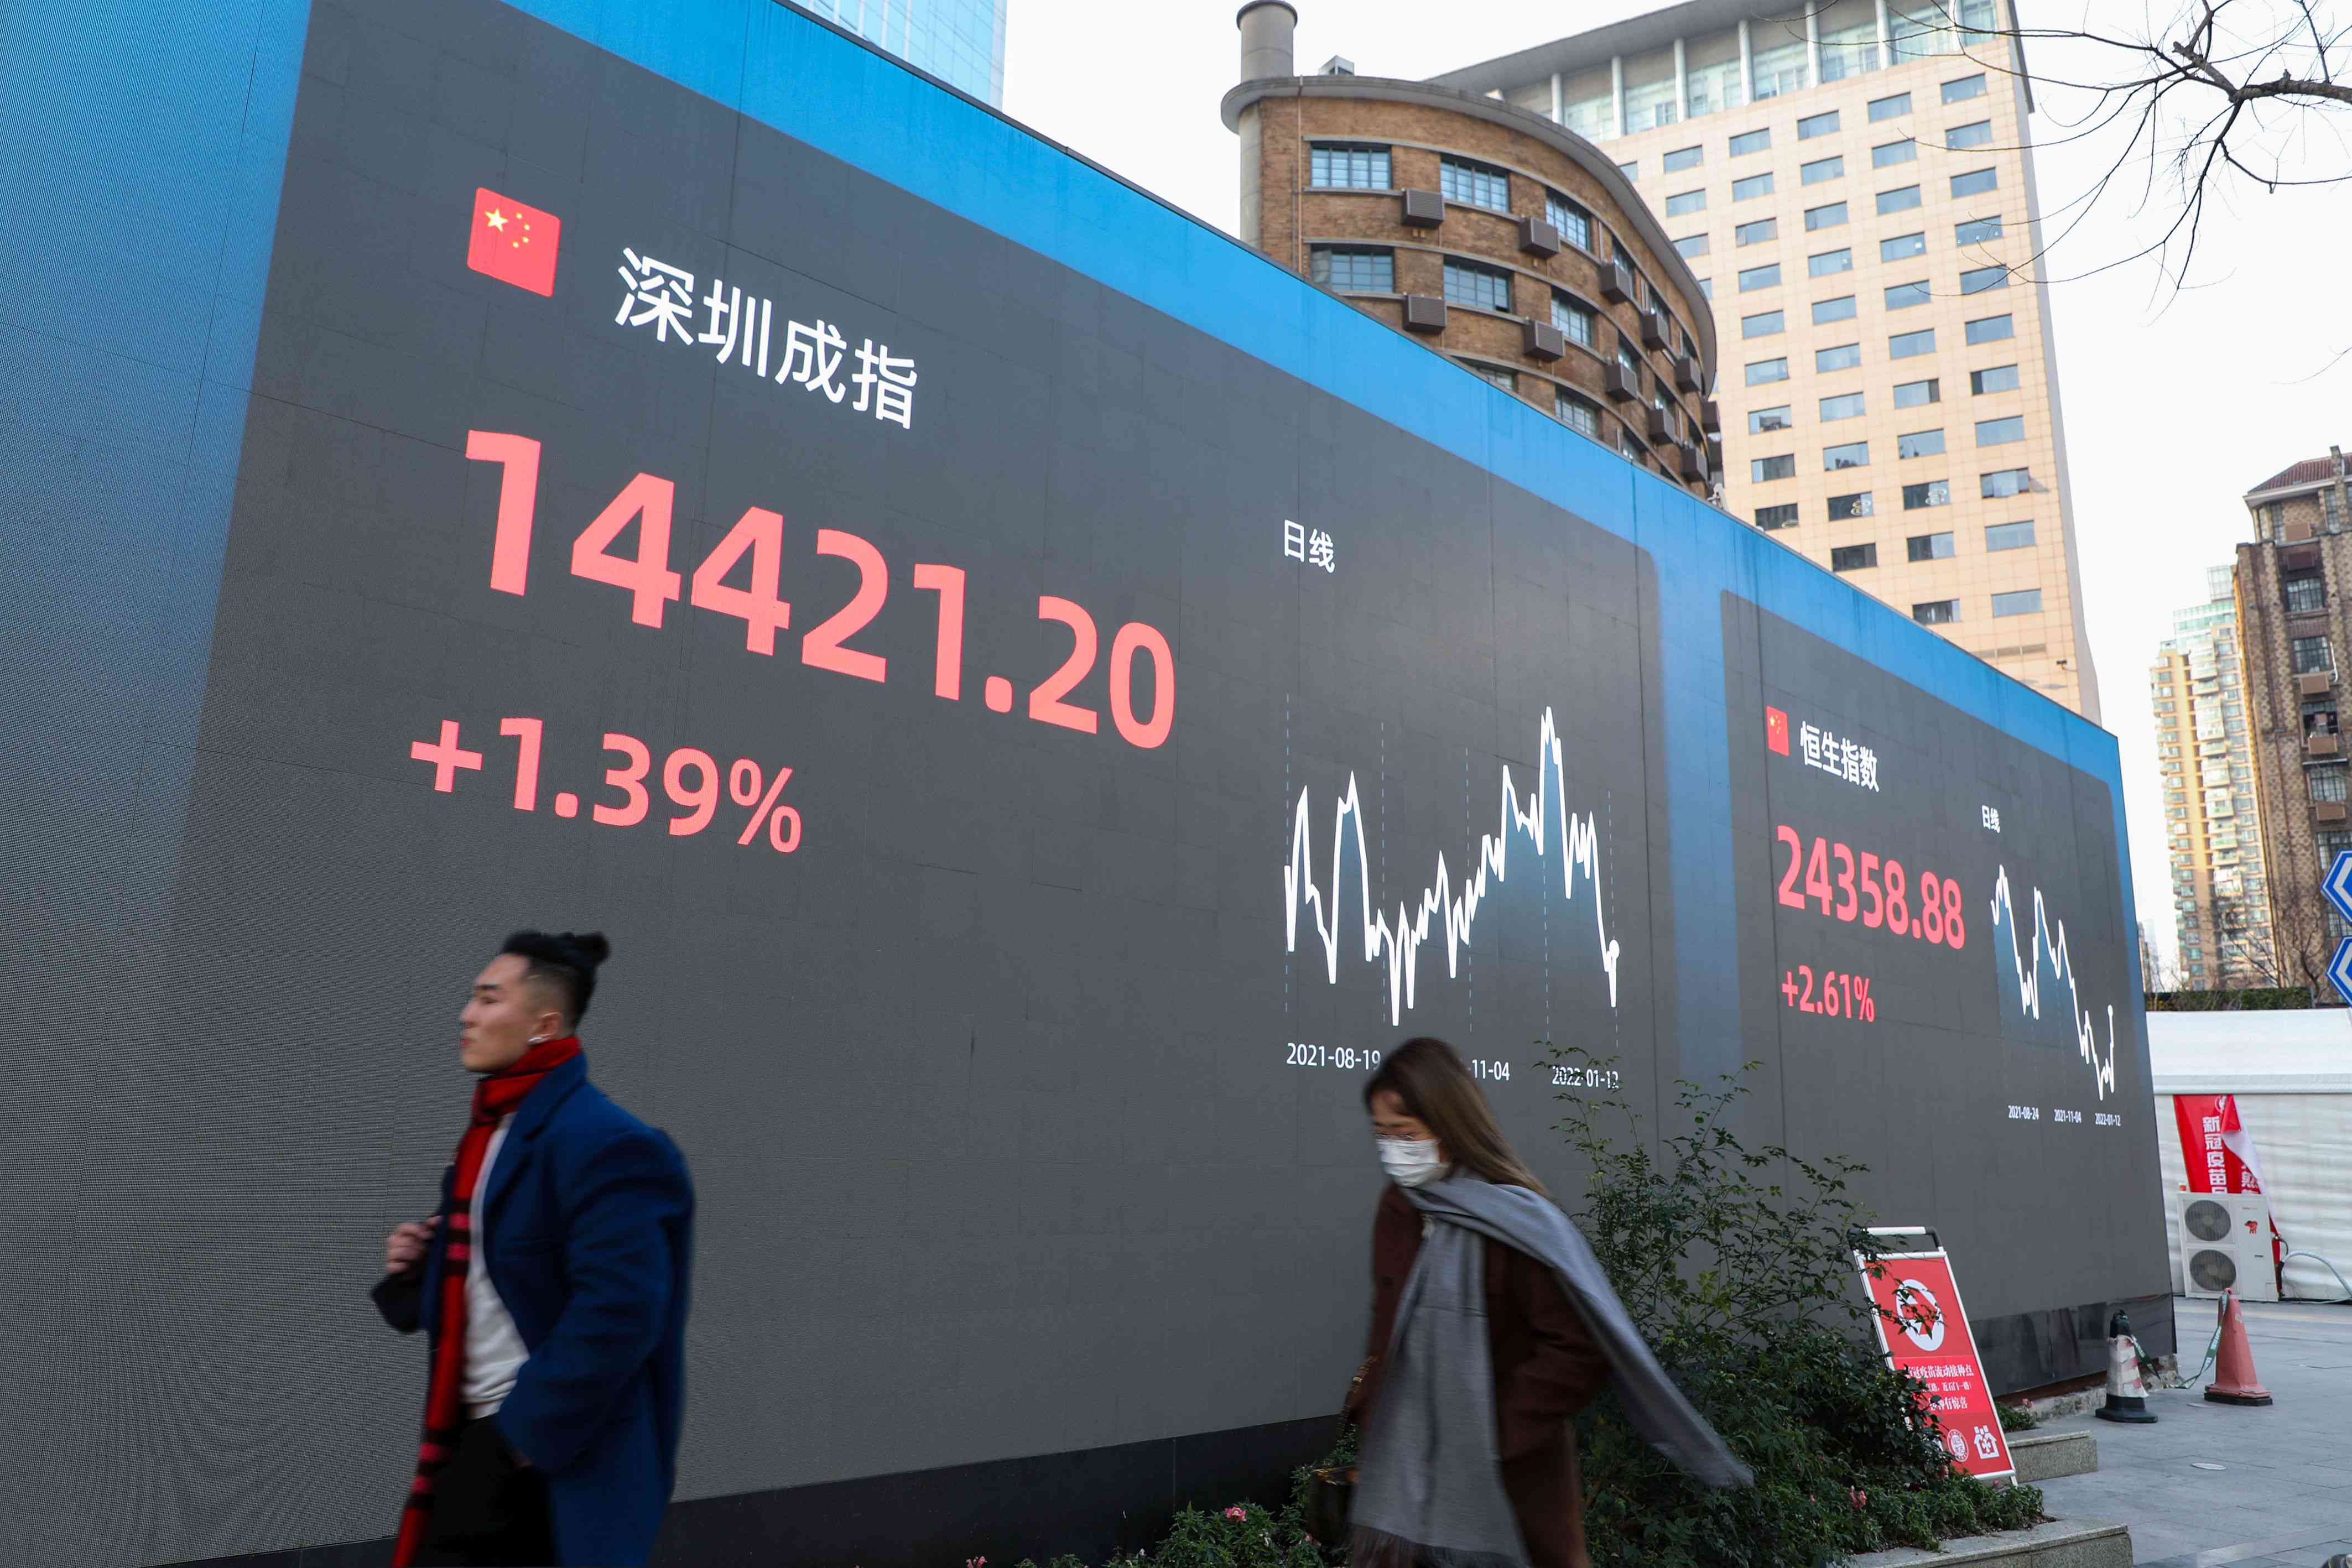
<point>1547,1367</point>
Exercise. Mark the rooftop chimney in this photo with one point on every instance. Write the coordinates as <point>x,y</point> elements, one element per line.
<point>1266,27</point>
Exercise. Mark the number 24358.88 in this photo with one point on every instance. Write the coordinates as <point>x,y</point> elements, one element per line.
<point>757,539</point>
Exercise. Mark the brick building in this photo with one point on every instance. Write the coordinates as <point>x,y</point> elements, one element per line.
<point>1506,242</point>
<point>2293,624</point>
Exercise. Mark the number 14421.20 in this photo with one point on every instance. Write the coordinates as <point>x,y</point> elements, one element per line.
<point>754,546</point>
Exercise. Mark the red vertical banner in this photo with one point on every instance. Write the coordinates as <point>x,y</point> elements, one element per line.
<point>1925,1332</point>
<point>2220,1153</point>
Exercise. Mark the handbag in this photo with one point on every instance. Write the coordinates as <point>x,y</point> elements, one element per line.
<point>1329,1493</point>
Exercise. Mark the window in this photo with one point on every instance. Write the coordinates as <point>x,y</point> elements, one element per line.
<point>1685,203</point>
<point>1964,87</point>
<point>1841,357</point>
<point>1706,288</point>
<point>1783,516</point>
<point>1920,443</point>
<point>1822,168</point>
<point>1682,158</point>
<point>1888,108</point>
<point>1693,245</point>
<point>1854,558</point>
<point>2007,482</point>
<point>1993,378</point>
<point>1753,186</point>
<point>1766,276</point>
<point>1631,172</point>
<point>1902,295</point>
<point>1933,493</point>
<point>1477,184</point>
<point>1573,320</point>
<point>1850,454</point>
<point>1756,233</point>
<point>1814,125</point>
<point>1574,224</point>
<point>1748,142</point>
<point>1887,154</point>
<point>2304,595</point>
<point>1762,371</point>
<point>2007,535</point>
<point>1976,231</point>
<point>1975,182</point>
<point>2020,601</point>
<point>1353,271</point>
<point>1831,216</point>
<point>2327,781</point>
<point>1762,470</point>
<point>1340,168</point>
<point>1975,133</point>
<point>1482,287</point>
<point>1901,201</point>
<point>2309,655</point>
<point>1981,280</point>
<point>1845,405</point>
<point>1904,345</point>
<point>2000,432</point>
<point>1855,505</point>
<point>1507,380</point>
<point>1911,394</point>
<point>1838,309</point>
<point>1763,324</point>
<point>1991,330</point>
<point>1829,262</point>
<point>1760,420</point>
<point>1937,611</point>
<point>1578,414</point>
<point>1930,547</point>
<point>1901,246</point>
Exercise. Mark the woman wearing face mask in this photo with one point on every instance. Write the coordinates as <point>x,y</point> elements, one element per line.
<point>1492,1325</point>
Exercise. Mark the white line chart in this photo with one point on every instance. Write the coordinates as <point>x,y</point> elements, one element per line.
<point>1544,822</point>
<point>2028,968</point>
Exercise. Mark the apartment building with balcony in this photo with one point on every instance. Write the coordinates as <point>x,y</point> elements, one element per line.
<point>1851,183</point>
<point>2205,754</point>
<point>2294,628</point>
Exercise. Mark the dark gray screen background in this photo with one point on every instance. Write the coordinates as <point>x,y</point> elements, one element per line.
<point>2047,1222</point>
<point>985,1089</point>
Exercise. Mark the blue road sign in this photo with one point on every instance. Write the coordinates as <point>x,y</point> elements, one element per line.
<point>2339,970</point>
<point>2337,885</point>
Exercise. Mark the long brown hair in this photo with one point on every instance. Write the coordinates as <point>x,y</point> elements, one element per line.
<point>1437,1090</point>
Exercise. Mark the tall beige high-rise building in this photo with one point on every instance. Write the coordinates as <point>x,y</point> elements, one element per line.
<point>2220,903</point>
<point>1851,183</point>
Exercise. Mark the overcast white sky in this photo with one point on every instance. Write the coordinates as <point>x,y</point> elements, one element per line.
<point>2174,405</point>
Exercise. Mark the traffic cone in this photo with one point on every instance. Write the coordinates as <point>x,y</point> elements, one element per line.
<point>2127,1395</point>
<point>2233,1370</point>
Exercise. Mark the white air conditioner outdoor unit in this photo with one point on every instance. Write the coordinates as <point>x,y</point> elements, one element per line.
<point>2224,1241</point>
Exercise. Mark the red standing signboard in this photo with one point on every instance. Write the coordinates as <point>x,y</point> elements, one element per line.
<point>1925,1332</point>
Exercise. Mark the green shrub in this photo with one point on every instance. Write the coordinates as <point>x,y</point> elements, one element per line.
<point>2016,1418</point>
<point>1738,1266</point>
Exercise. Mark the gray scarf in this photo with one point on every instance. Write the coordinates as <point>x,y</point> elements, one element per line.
<point>1430,1487</point>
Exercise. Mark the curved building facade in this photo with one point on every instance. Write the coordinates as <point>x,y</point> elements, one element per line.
<point>1508,243</point>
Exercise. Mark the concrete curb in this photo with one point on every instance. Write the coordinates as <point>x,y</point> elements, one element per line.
<point>2047,1456</point>
<point>2061,1543</point>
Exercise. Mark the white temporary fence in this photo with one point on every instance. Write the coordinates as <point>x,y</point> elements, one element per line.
<point>2292,1075</point>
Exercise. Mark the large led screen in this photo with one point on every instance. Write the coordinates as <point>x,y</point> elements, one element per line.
<point>1039,699</point>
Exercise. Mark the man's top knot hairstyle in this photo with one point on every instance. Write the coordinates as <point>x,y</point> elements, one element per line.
<point>566,960</point>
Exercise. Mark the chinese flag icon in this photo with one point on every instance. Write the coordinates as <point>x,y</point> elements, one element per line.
<point>1776,731</point>
<point>514,243</point>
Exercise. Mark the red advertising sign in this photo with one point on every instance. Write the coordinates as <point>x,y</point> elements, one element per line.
<point>1925,1332</point>
<point>2218,1151</point>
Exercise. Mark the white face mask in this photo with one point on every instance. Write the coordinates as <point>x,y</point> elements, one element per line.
<point>1410,1162</point>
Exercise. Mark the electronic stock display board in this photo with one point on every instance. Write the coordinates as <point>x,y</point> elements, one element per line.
<point>1040,700</point>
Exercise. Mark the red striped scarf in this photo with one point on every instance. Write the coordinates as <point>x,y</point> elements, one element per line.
<point>495,1095</point>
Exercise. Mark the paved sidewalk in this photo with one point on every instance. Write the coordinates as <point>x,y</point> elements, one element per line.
<point>2223,1486</point>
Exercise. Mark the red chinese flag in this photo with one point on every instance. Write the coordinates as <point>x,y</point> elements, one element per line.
<point>1776,731</point>
<point>513,243</point>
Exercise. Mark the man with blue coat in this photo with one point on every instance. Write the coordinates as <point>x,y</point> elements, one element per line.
<point>551,1282</point>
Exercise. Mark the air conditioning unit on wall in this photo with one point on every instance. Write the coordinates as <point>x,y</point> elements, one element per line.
<point>2225,1242</point>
